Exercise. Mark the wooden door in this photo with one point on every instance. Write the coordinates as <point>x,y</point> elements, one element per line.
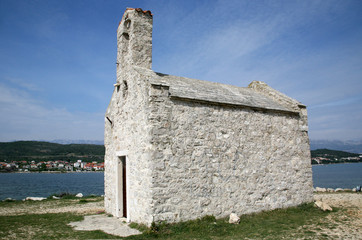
<point>124,186</point>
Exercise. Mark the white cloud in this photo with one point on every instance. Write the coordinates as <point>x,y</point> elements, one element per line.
<point>24,118</point>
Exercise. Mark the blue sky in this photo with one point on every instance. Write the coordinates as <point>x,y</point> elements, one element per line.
<point>57,58</point>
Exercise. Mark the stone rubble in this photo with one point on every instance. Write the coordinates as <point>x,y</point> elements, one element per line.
<point>322,205</point>
<point>234,219</point>
<point>34,199</point>
<point>79,195</point>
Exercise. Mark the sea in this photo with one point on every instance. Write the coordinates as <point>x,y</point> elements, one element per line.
<point>21,185</point>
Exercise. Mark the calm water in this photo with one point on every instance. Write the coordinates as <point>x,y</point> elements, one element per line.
<point>347,175</point>
<point>22,185</point>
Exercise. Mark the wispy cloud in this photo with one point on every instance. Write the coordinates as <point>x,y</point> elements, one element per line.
<point>24,117</point>
<point>22,84</point>
<point>341,122</point>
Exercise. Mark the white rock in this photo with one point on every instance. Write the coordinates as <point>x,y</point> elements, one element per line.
<point>318,189</point>
<point>79,195</point>
<point>8,200</point>
<point>234,218</point>
<point>330,190</point>
<point>55,197</point>
<point>354,190</point>
<point>339,189</point>
<point>35,198</point>
<point>322,205</point>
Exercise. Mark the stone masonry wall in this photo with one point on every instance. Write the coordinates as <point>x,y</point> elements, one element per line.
<point>127,131</point>
<point>129,135</point>
<point>214,160</point>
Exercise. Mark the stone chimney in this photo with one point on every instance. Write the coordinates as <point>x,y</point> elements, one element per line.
<point>134,40</point>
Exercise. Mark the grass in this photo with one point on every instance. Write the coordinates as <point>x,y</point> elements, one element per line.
<point>45,226</point>
<point>277,224</point>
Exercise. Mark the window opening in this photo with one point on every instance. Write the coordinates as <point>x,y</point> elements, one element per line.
<point>126,36</point>
<point>125,89</point>
<point>127,23</point>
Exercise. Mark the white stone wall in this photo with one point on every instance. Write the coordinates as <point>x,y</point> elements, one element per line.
<point>129,134</point>
<point>214,160</point>
<point>127,131</point>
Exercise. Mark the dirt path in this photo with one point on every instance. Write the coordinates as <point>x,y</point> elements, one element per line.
<point>91,206</point>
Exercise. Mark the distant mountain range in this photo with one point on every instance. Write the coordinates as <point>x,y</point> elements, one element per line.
<point>346,146</point>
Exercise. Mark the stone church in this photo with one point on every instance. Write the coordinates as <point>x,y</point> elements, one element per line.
<point>180,148</point>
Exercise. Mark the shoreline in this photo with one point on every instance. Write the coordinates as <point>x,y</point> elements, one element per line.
<point>334,163</point>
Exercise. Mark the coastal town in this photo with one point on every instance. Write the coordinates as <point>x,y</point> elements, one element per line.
<point>327,156</point>
<point>82,166</point>
<point>329,160</point>
<point>51,166</point>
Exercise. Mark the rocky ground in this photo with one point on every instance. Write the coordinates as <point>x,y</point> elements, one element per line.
<point>346,222</point>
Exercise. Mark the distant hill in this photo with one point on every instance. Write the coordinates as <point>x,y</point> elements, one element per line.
<point>44,151</point>
<point>347,146</point>
<point>326,156</point>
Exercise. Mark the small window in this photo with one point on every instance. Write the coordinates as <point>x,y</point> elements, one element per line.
<point>127,23</point>
<point>125,36</point>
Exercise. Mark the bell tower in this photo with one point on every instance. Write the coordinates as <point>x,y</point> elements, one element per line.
<point>134,40</point>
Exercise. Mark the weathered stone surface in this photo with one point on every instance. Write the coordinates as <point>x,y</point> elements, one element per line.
<point>194,148</point>
<point>319,189</point>
<point>323,206</point>
<point>211,92</point>
<point>106,224</point>
<point>234,219</point>
<point>339,190</point>
<point>330,190</point>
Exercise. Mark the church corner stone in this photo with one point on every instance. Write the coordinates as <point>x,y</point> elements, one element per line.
<point>180,148</point>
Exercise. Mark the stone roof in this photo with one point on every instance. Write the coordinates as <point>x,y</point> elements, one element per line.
<point>212,92</point>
